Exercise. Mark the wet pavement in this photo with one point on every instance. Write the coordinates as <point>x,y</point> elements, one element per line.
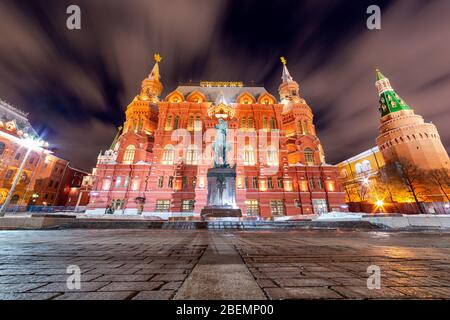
<point>199,264</point>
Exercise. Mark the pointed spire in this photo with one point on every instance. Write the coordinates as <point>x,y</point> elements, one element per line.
<point>378,74</point>
<point>154,74</point>
<point>389,100</point>
<point>286,77</point>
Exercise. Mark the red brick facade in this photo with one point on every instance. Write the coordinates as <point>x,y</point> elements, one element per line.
<point>160,158</point>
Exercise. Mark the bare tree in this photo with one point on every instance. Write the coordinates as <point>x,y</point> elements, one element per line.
<point>441,179</point>
<point>415,180</point>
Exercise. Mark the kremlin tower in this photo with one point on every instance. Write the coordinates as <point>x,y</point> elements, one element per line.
<point>404,136</point>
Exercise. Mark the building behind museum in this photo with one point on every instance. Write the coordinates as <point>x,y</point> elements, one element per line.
<point>46,178</point>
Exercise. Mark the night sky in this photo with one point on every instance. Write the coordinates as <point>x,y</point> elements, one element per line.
<point>76,84</point>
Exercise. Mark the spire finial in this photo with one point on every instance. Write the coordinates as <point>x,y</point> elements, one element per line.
<point>157,57</point>
<point>283,60</point>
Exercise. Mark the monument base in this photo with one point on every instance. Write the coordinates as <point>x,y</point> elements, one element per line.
<point>220,212</point>
<point>221,194</point>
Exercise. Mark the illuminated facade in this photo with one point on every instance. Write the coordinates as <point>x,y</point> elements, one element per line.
<point>46,178</point>
<point>159,159</point>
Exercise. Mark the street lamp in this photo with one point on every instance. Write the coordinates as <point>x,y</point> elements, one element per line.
<point>31,144</point>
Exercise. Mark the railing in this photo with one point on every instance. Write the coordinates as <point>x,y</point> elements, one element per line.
<point>43,209</point>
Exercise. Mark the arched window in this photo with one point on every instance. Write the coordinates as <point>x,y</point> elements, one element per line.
<point>14,199</point>
<point>309,156</point>
<point>17,157</point>
<point>176,122</point>
<point>9,174</point>
<point>2,148</point>
<point>273,123</point>
<point>141,124</point>
<point>128,155</point>
<point>272,156</point>
<point>168,154</point>
<point>366,166</point>
<point>249,156</point>
<point>192,154</point>
<point>198,124</point>
<point>168,125</point>
<point>358,168</point>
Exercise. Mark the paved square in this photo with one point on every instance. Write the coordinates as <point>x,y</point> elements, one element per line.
<point>198,264</point>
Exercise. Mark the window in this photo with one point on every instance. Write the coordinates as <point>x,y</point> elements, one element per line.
<point>306,128</point>
<point>160,182</point>
<point>190,126</point>
<point>176,122</point>
<point>118,182</point>
<point>319,183</point>
<point>192,154</point>
<point>126,182</point>
<point>17,157</point>
<point>272,156</point>
<point>198,124</point>
<point>309,157</point>
<point>24,177</point>
<point>9,174</point>
<point>255,183</point>
<point>185,182</point>
<point>249,156</point>
<point>170,182</point>
<point>300,127</point>
<point>358,168</point>
<point>250,123</point>
<point>50,183</point>
<point>246,182</point>
<point>273,123</point>
<point>194,182</point>
<point>31,160</point>
<point>320,206</point>
<point>168,154</point>
<point>366,165</point>
<point>277,207</point>
<point>264,123</point>
<point>252,207</point>
<point>14,199</point>
<point>187,205</point>
<point>162,205</point>
<point>270,183</point>
<point>168,125</point>
<point>280,182</point>
<point>2,148</point>
<point>128,156</point>
<point>141,125</point>
<point>311,183</point>
<point>244,123</point>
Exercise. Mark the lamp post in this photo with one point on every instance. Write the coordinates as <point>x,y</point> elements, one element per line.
<point>30,144</point>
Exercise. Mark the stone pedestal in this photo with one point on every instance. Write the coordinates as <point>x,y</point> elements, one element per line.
<point>221,194</point>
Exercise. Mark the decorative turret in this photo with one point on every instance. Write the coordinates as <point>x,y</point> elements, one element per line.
<point>288,89</point>
<point>389,100</point>
<point>152,86</point>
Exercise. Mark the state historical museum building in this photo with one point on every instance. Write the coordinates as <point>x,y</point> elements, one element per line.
<point>158,162</point>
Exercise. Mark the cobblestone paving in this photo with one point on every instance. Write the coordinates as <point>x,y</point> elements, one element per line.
<point>333,265</point>
<point>154,264</point>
